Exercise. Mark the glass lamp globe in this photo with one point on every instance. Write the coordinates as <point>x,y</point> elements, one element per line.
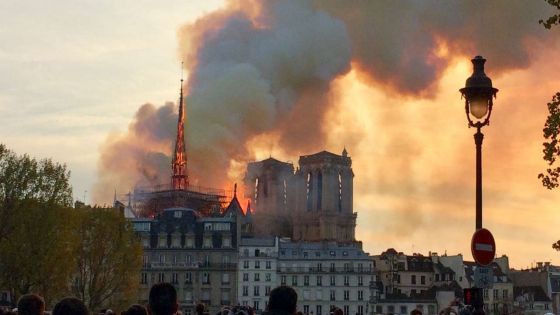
<point>478,106</point>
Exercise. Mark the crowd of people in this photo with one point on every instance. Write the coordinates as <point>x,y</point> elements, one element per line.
<point>162,301</point>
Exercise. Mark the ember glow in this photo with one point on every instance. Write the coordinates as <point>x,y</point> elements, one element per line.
<point>288,78</point>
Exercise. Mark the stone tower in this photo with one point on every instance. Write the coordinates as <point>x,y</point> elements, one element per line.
<point>267,185</point>
<point>323,202</point>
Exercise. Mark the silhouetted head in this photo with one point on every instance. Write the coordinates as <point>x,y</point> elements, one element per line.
<point>415,312</point>
<point>163,299</point>
<point>31,304</point>
<point>70,306</point>
<point>200,308</point>
<point>283,298</point>
<point>136,309</point>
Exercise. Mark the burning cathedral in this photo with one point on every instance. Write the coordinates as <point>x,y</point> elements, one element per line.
<point>214,252</point>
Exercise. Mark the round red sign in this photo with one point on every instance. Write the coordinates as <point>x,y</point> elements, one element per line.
<point>483,247</point>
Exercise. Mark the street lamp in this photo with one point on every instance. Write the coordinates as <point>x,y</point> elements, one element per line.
<point>478,93</point>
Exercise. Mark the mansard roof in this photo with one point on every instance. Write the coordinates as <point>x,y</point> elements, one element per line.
<point>533,293</point>
<point>420,263</point>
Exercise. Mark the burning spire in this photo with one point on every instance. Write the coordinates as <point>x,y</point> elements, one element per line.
<point>180,179</point>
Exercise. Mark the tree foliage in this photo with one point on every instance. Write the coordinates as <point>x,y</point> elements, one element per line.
<point>108,259</point>
<point>25,180</point>
<point>551,130</point>
<point>49,248</point>
<point>555,18</point>
<point>551,149</point>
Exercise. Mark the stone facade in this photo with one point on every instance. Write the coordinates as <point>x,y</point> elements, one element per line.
<point>197,254</point>
<point>326,274</point>
<point>314,203</point>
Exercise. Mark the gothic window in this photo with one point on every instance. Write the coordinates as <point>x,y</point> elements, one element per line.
<point>319,190</point>
<point>309,191</point>
<point>256,189</point>
<point>339,192</point>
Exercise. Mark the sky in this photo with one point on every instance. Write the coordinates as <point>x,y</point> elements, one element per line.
<point>93,83</point>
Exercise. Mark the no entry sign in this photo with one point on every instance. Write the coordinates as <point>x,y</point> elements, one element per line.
<point>483,247</point>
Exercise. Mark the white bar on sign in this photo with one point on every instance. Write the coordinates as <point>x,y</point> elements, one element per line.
<point>483,247</point>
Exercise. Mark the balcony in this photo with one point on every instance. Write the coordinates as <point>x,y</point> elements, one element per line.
<point>196,265</point>
<point>341,270</point>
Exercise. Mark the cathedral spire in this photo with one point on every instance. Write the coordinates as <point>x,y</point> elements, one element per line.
<point>180,179</point>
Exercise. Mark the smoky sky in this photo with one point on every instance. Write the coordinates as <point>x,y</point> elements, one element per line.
<point>267,67</point>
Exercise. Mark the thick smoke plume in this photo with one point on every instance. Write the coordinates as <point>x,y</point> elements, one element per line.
<point>264,69</point>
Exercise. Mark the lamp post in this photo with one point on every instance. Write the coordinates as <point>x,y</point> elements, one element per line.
<point>478,93</point>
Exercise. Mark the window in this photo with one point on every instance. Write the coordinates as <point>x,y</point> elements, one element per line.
<point>346,310</point>
<point>268,264</point>
<point>505,294</point>
<point>283,280</point>
<point>346,267</point>
<point>333,295</point>
<point>390,309</point>
<point>245,277</point>
<point>257,277</point>
<point>332,253</point>
<point>360,309</point>
<point>246,264</point>
<point>161,277</point>
<point>257,264</point>
<point>485,293</point>
<point>431,309</point>
<point>256,290</point>
<point>496,294</point>
<point>174,278</point>
<point>188,296</point>
<point>319,281</point>
<point>412,280</point>
<point>305,280</point>
<point>226,242</point>
<point>360,267</point>
<point>268,277</point>
<point>332,267</point>
<point>360,280</point>
<point>267,290</point>
<point>437,276</point>
<point>207,242</point>
<point>360,295</point>
<point>245,290</point>
<point>346,295</point>
<point>188,278</point>
<point>403,309</point>
<point>422,279</point>
<point>294,280</point>
<point>205,278</point>
<point>256,305</point>
<point>319,267</point>
<point>144,278</point>
<point>346,280</point>
<point>225,278</point>
<point>162,259</point>
<point>306,309</point>
<point>333,280</point>
<point>318,310</point>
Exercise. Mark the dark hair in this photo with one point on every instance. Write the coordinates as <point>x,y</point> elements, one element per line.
<point>415,312</point>
<point>136,309</point>
<point>70,306</point>
<point>163,299</point>
<point>31,304</point>
<point>283,298</point>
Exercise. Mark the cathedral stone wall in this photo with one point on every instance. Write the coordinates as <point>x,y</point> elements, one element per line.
<point>313,203</point>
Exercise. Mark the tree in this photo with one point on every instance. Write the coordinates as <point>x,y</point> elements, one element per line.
<point>37,255</point>
<point>26,180</point>
<point>35,229</point>
<point>551,130</point>
<point>108,258</point>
